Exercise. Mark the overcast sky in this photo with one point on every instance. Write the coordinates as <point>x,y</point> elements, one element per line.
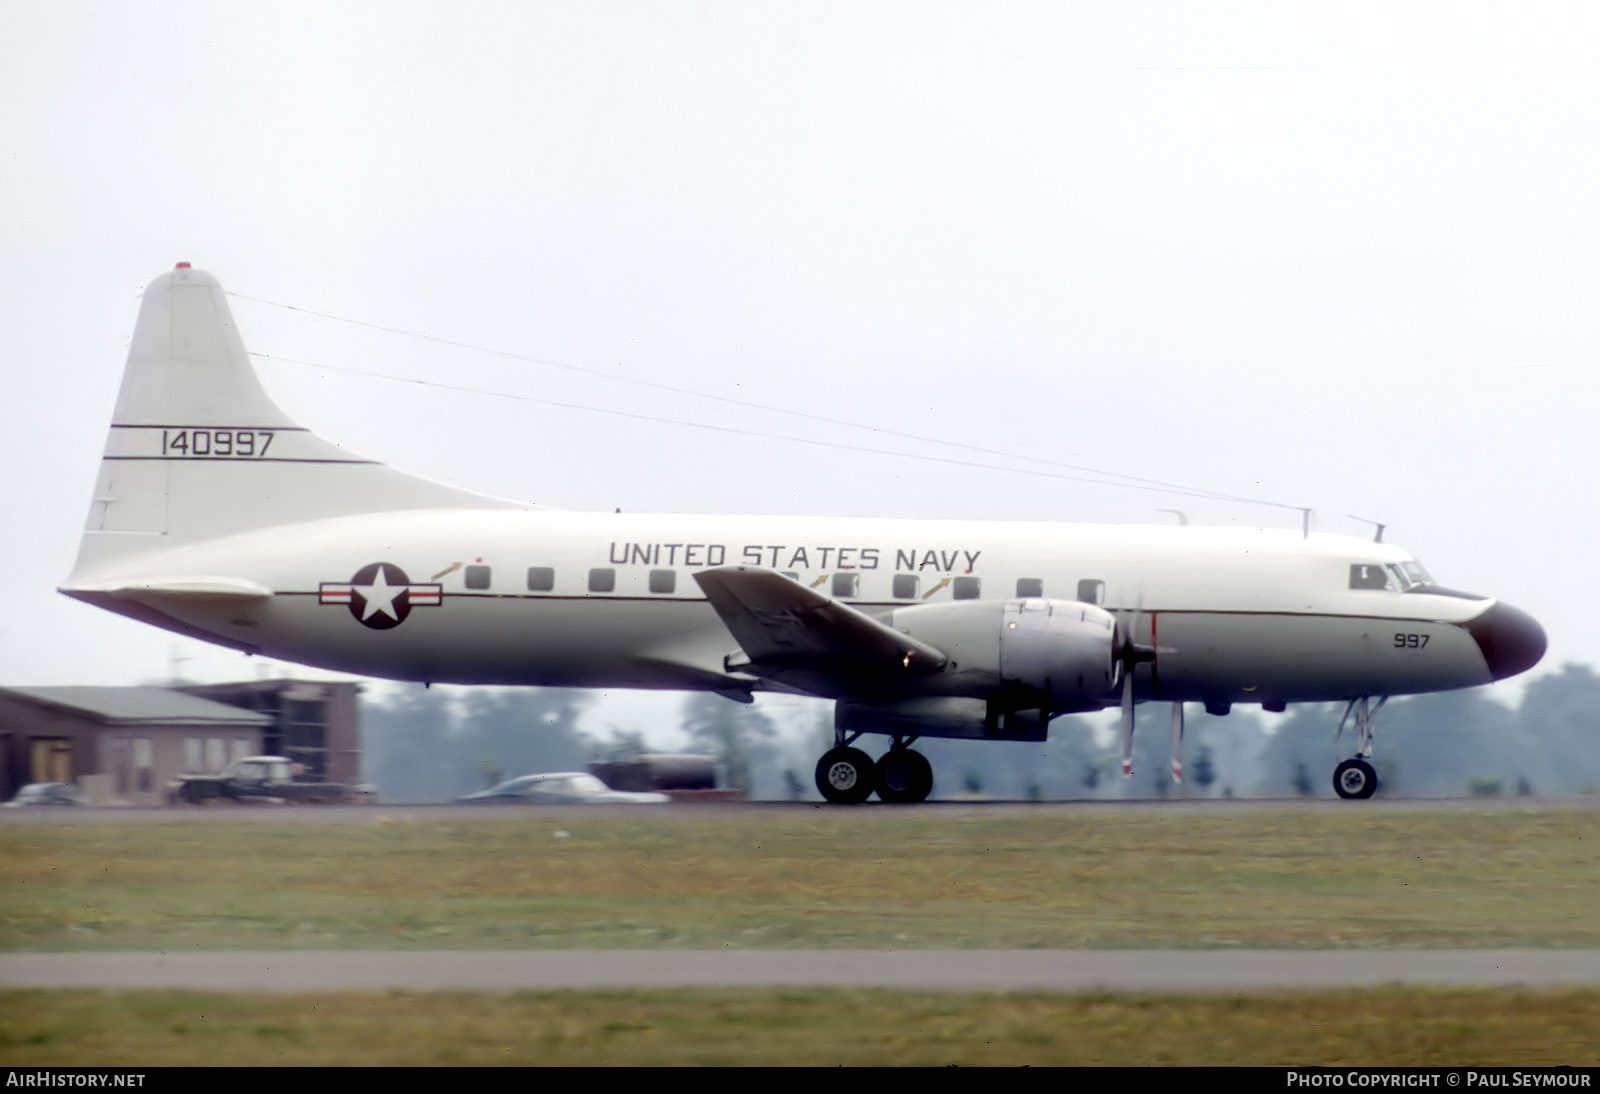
<point>1339,255</point>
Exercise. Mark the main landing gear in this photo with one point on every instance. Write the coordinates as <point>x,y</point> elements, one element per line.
<point>848,775</point>
<point>1356,777</point>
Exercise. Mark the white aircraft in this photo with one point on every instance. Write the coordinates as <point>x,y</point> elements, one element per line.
<point>218,517</point>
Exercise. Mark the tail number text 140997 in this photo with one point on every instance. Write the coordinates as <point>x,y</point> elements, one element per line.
<point>224,443</point>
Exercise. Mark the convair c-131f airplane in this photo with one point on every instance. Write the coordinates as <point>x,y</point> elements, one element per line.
<point>218,517</point>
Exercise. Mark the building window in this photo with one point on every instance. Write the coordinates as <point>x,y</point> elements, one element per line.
<point>193,755</point>
<point>144,764</point>
<point>1030,586</point>
<point>966,588</point>
<point>541,579</point>
<point>121,778</point>
<point>846,585</point>
<point>663,581</point>
<point>602,580</point>
<point>477,577</point>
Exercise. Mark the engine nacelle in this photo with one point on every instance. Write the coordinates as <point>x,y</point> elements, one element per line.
<point>1055,654</point>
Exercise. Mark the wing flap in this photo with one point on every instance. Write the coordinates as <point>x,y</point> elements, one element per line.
<point>797,636</point>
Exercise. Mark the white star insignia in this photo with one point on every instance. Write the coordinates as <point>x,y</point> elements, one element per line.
<point>379,597</point>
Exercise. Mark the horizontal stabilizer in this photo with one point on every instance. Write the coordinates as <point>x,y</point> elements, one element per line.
<point>186,588</point>
<point>798,637</point>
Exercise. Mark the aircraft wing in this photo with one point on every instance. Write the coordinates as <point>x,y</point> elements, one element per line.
<point>796,636</point>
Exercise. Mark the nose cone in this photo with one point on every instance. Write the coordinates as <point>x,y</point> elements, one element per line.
<point>1511,640</point>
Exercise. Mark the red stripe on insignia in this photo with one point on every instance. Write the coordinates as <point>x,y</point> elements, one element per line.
<point>331,592</point>
<point>426,596</point>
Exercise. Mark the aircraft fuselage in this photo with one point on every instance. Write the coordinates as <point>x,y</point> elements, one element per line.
<point>553,598</point>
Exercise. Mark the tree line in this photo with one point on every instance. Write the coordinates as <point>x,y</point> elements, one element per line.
<point>435,744</point>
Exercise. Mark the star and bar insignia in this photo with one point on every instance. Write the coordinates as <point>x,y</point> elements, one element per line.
<point>380,595</point>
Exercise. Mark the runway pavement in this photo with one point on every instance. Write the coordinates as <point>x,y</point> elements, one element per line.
<point>961,970</point>
<point>254,813</point>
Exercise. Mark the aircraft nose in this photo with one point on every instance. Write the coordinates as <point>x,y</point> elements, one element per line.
<point>1511,640</point>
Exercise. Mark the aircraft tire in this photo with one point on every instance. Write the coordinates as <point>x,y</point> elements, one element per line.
<point>904,776</point>
<point>1355,779</point>
<point>846,776</point>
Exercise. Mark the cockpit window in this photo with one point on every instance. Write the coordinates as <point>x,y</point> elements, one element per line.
<point>1409,575</point>
<point>1369,575</point>
<point>1415,574</point>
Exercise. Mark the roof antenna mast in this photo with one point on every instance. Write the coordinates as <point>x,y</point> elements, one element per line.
<point>1377,535</point>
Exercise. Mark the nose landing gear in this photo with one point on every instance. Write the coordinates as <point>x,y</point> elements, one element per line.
<point>1356,777</point>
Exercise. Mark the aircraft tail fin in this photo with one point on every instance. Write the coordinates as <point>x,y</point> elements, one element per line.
<point>197,449</point>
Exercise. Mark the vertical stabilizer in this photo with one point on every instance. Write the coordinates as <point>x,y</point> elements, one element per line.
<point>198,450</point>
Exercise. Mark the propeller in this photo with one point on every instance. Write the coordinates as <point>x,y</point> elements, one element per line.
<point>1177,742</point>
<point>1129,655</point>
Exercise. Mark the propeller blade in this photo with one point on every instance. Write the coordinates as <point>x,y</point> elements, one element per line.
<point>1127,721</point>
<point>1177,742</point>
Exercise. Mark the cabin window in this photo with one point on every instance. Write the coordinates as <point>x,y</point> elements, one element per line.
<point>663,581</point>
<point>541,579</point>
<point>1030,586</point>
<point>966,588</point>
<point>602,580</point>
<point>905,586</point>
<point>1091,590</point>
<point>1368,575</point>
<point>791,575</point>
<point>477,577</point>
<point>846,585</point>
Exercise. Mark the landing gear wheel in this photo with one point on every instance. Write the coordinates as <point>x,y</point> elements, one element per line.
<point>1355,779</point>
<point>846,775</point>
<point>904,776</point>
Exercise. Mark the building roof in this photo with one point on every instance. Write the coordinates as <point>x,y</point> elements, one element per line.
<point>141,706</point>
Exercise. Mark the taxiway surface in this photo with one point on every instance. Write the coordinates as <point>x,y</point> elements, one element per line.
<point>945,970</point>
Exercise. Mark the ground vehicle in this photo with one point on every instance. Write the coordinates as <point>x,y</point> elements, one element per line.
<point>560,788</point>
<point>46,794</point>
<point>262,778</point>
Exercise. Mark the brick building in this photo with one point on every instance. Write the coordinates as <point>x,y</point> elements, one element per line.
<point>122,745</point>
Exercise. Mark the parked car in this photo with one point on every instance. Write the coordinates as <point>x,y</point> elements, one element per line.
<point>559,788</point>
<point>46,794</point>
<point>262,778</point>
<point>658,771</point>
